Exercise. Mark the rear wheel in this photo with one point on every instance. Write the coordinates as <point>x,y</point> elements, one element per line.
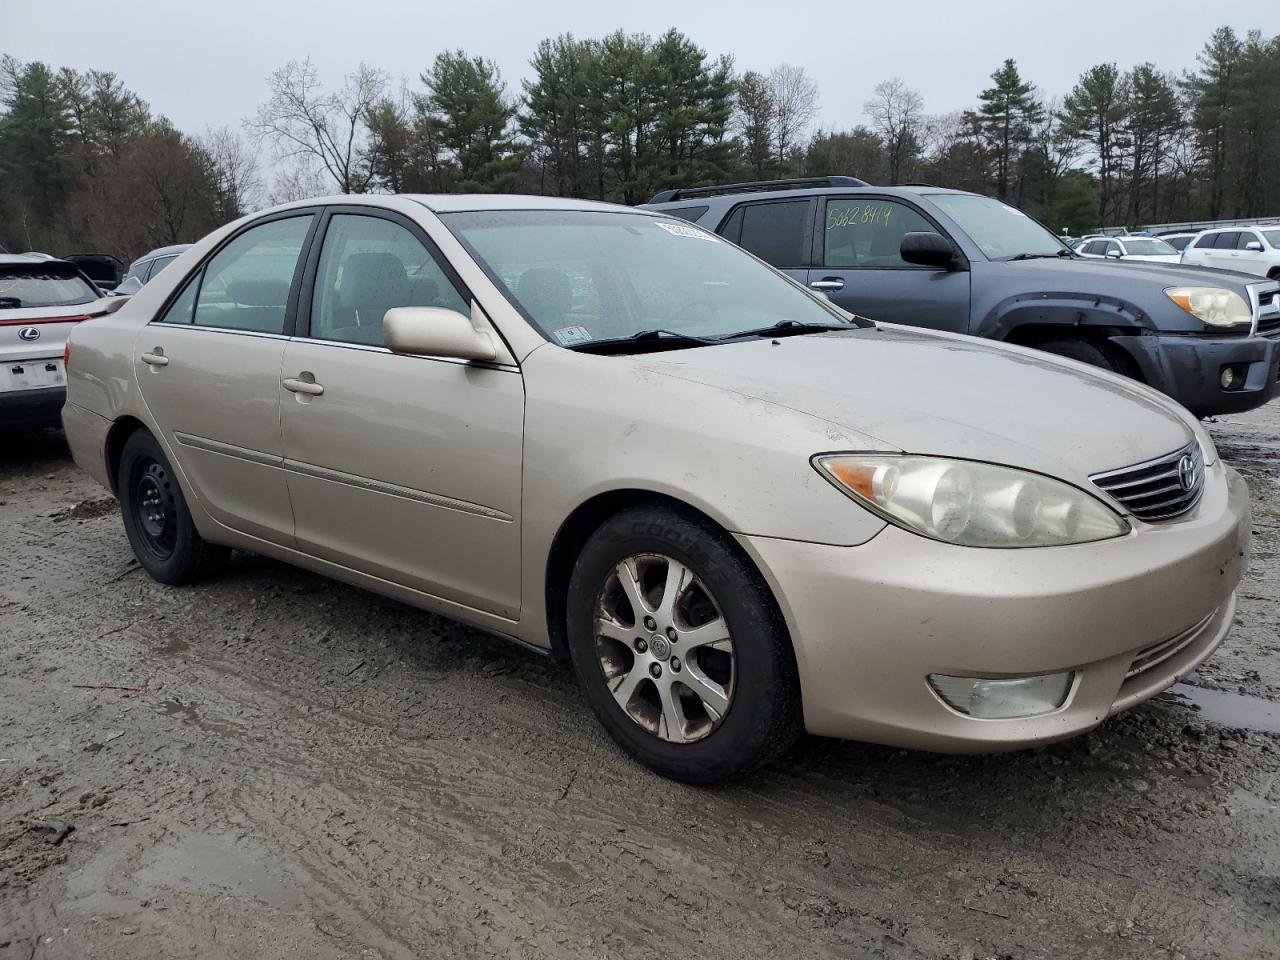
<point>679,647</point>
<point>156,518</point>
<point>1094,353</point>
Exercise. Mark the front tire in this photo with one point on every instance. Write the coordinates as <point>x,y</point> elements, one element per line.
<point>680,648</point>
<point>156,518</point>
<point>1093,353</point>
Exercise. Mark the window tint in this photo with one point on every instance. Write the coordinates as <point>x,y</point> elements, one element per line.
<point>868,233</point>
<point>367,266</point>
<point>692,214</point>
<point>774,232</point>
<point>1208,240</point>
<point>1246,238</point>
<point>1227,241</point>
<point>1114,248</point>
<point>246,285</point>
<point>1178,243</point>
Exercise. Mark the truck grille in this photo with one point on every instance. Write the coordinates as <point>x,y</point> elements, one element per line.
<point>1158,489</point>
<point>1268,311</point>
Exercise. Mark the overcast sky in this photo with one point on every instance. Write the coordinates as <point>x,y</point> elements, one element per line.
<point>204,65</point>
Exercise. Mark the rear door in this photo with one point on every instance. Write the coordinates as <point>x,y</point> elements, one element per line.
<point>1223,255</point>
<point>209,370</point>
<point>779,232</point>
<point>860,266</point>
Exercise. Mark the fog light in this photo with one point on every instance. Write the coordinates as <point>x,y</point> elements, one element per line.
<point>1003,699</point>
<point>1232,378</point>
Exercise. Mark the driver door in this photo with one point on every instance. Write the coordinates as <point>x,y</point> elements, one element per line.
<point>861,269</point>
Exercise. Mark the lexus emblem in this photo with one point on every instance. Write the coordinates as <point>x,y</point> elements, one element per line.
<point>29,333</point>
<point>1186,472</point>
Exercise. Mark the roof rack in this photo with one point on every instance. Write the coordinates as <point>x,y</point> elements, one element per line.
<point>666,196</point>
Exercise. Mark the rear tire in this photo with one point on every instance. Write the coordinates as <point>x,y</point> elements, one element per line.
<point>697,707</point>
<point>156,518</point>
<point>1096,354</point>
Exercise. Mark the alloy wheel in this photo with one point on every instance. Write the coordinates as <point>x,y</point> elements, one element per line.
<point>665,648</point>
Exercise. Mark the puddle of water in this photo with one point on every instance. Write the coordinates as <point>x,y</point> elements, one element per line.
<point>1229,709</point>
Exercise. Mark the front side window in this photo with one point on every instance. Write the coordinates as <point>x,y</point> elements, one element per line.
<point>583,276</point>
<point>1113,249</point>
<point>1246,238</point>
<point>157,265</point>
<point>367,266</point>
<point>774,232</point>
<point>1000,231</point>
<point>1178,243</point>
<point>246,284</point>
<point>43,284</point>
<point>1149,248</point>
<point>868,233</point>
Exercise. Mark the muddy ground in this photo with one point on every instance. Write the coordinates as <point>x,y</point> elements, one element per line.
<point>275,765</point>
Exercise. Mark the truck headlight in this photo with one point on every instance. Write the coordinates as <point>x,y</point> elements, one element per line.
<point>969,503</point>
<point>1216,306</point>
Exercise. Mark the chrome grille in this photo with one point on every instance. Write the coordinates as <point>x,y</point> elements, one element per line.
<point>1158,653</point>
<point>1158,489</point>
<point>1266,309</point>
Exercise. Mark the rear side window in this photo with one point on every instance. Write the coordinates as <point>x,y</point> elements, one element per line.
<point>1207,241</point>
<point>1178,243</point>
<point>157,265</point>
<point>692,214</point>
<point>775,232</point>
<point>246,285</point>
<point>43,285</point>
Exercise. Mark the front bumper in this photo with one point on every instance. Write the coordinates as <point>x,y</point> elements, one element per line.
<point>31,407</point>
<point>870,623</point>
<point>1189,369</point>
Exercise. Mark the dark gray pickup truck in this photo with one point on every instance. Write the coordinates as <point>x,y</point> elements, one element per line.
<point>961,262</point>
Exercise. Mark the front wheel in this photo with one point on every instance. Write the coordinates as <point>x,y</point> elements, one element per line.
<point>156,518</point>
<point>680,648</point>
<point>1096,354</point>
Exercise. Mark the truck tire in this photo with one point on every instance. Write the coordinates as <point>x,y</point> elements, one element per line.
<point>1091,352</point>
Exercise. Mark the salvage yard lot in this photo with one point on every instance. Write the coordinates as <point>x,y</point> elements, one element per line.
<point>272,764</point>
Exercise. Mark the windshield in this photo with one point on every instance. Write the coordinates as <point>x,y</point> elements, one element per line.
<point>1142,247</point>
<point>1273,237</point>
<point>999,230</point>
<point>43,285</point>
<point>586,276</point>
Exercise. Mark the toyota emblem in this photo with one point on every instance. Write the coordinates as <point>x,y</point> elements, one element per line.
<point>1187,472</point>
<point>29,333</point>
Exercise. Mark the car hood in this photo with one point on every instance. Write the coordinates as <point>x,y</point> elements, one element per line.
<point>930,393</point>
<point>1115,278</point>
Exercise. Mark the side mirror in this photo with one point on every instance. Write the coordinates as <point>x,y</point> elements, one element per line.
<point>435,332</point>
<point>1113,254</point>
<point>1254,245</point>
<point>114,302</point>
<point>927,250</point>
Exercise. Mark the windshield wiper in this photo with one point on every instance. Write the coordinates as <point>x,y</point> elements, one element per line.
<point>6,302</point>
<point>787,328</point>
<point>645,340</point>
<point>1042,256</point>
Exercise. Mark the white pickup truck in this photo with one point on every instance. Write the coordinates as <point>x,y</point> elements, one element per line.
<point>41,299</point>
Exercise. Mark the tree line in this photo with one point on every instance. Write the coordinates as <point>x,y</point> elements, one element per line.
<point>86,165</point>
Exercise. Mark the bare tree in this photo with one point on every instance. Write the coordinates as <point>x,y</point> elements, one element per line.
<point>298,182</point>
<point>326,129</point>
<point>794,96</point>
<point>754,121</point>
<point>233,167</point>
<point>896,111</point>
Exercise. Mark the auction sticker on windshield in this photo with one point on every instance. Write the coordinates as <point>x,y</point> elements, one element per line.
<point>568,336</point>
<point>681,230</point>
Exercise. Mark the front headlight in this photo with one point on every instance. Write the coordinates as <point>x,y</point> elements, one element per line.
<point>971,504</point>
<point>1216,306</point>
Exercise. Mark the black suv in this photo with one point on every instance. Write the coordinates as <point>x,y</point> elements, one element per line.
<point>966,263</point>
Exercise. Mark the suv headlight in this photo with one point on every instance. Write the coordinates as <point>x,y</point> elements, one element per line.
<point>1216,306</point>
<point>969,503</point>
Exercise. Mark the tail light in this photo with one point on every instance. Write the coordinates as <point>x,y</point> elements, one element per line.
<point>66,353</point>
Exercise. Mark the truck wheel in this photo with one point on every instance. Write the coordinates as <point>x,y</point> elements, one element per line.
<point>680,648</point>
<point>156,518</point>
<point>1088,351</point>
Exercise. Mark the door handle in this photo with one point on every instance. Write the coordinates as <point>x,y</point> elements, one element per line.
<point>155,358</point>
<point>830,283</point>
<point>296,385</point>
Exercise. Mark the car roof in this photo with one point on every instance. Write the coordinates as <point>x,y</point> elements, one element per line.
<point>165,251</point>
<point>469,202</point>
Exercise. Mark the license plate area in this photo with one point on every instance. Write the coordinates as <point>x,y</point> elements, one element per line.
<point>32,374</point>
